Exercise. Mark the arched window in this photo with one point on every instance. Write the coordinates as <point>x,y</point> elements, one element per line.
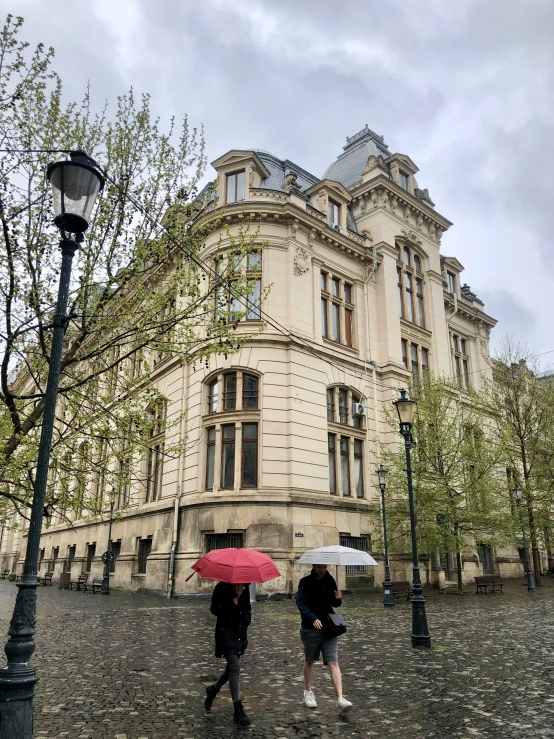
<point>417,263</point>
<point>406,256</point>
<point>345,446</point>
<point>410,288</point>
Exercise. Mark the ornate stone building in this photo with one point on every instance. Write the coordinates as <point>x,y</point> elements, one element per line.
<point>282,438</point>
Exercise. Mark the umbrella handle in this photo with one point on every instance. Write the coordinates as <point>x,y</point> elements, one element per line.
<point>190,576</point>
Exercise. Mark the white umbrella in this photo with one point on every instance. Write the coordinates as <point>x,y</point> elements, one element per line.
<point>336,555</point>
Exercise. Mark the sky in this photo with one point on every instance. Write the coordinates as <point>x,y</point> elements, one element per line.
<point>465,88</point>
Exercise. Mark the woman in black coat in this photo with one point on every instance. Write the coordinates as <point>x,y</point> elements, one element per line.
<point>231,605</point>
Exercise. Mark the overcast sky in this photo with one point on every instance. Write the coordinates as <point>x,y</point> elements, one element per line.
<point>464,88</point>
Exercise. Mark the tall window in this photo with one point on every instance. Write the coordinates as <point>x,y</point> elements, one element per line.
<point>451,282</point>
<point>331,453</point>
<point>238,291</point>
<point>249,455</point>
<point>235,187</point>
<point>249,391</point>
<point>154,465</point>
<point>144,549</point>
<point>460,360</point>
<point>116,551</point>
<point>359,467</point>
<point>213,396</point>
<point>416,360</point>
<point>343,406</point>
<point>228,456</point>
<point>410,287</point>
<point>337,309</point>
<point>210,458</point>
<point>331,404</point>
<point>334,213</point>
<point>345,464</point>
<point>230,391</point>
<point>343,399</point>
<point>403,179</point>
<point>91,553</point>
<point>254,275</point>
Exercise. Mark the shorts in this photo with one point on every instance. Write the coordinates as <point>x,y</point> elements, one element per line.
<point>315,642</point>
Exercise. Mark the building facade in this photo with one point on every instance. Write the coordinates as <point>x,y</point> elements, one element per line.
<point>283,437</point>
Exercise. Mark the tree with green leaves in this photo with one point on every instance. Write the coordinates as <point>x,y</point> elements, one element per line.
<point>459,485</point>
<point>141,292</point>
<point>521,404</point>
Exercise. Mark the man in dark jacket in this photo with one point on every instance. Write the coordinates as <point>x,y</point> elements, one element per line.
<point>231,605</point>
<point>316,597</point>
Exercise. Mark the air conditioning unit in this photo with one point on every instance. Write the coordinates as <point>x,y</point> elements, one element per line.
<point>359,409</point>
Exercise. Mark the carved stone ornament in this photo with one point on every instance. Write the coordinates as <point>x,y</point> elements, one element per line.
<point>301,261</point>
<point>411,237</point>
<point>322,198</point>
<point>251,174</point>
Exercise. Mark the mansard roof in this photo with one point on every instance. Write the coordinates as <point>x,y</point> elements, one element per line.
<point>348,168</point>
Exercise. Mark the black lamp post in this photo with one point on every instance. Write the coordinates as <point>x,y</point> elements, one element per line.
<point>108,556</point>
<point>420,632</point>
<point>518,495</point>
<point>388,597</point>
<point>75,187</point>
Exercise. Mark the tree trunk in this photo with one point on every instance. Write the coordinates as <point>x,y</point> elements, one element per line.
<point>547,541</point>
<point>459,563</point>
<point>534,543</point>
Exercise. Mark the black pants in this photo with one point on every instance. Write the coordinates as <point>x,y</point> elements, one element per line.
<point>231,674</point>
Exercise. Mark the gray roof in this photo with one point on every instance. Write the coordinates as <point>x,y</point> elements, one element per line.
<point>348,168</point>
<point>279,168</point>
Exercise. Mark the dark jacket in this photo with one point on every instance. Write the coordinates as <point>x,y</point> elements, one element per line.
<point>316,598</point>
<point>233,619</point>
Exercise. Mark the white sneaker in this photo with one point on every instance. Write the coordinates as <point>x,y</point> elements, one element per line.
<point>309,699</point>
<point>343,705</point>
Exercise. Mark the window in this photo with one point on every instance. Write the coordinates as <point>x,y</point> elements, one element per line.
<point>230,391</point>
<point>343,406</point>
<point>235,187</point>
<point>345,464</point>
<point>410,295</point>
<point>334,213</point>
<point>254,286</point>
<point>249,391</point>
<point>348,327</point>
<point>324,282</point>
<point>324,319</point>
<point>144,549</point>
<point>71,552</point>
<point>359,468</point>
<point>210,458</point>
<point>417,362</point>
<point>154,473</point>
<point>356,419</point>
<point>331,404</point>
<point>238,291</point>
<point>451,282</point>
<point>91,553</point>
<point>335,287</point>
<point>460,358</point>
<point>403,179</point>
<point>332,464</point>
<point>228,456</point>
<point>213,395</point>
<point>224,541</point>
<point>348,293</point>
<point>339,326</point>
<point>361,543</point>
<point>116,551</point>
<point>124,475</point>
<point>336,321</point>
<point>249,455</point>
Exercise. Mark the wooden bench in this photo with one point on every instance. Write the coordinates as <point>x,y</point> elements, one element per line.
<point>97,584</point>
<point>80,583</point>
<point>485,581</point>
<point>18,578</point>
<point>400,587</point>
<point>5,574</point>
<point>47,578</point>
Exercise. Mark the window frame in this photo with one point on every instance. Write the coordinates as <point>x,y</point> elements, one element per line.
<point>225,442</point>
<point>333,208</point>
<point>249,440</point>
<point>410,282</point>
<point>332,455</point>
<point>345,458</point>
<point>460,351</point>
<point>210,444</point>
<point>404,180</point>
<point>228,177</point>
<point>359,456</point>
<point>451,282</point>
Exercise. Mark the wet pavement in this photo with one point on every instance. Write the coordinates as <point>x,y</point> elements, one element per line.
<point>135,667</point>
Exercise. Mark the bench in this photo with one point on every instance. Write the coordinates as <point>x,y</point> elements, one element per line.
<point>18,578</point>
<point>80,581</point>
<point>400,587</point>
<point>47,578</point>
<point>5,574</point>
<point>485,581</point>
<point>97,584</point>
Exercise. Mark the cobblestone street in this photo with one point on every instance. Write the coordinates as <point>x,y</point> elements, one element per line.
<point>135,667</point>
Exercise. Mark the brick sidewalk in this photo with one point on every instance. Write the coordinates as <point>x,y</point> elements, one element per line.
<point>135,667</point>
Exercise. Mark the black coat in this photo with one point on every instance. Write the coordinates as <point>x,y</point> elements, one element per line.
<point>316,598</point>
<point>233,619</point>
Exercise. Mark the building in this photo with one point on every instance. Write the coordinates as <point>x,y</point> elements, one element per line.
<point>283,436</point>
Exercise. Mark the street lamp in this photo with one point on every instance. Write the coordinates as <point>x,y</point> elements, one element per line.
<point>420,633</point>
<point>75,186</point>
<point>518,495</point>
<point>388,597</point>
<point>107,557</point>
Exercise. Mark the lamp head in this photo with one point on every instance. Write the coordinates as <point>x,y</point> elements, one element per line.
<point>382,473</point>
<point>75,184</point>
<point>518,493</point>
<point>405,407</point>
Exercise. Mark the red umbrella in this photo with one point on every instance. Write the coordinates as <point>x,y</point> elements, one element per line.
<point>236,566</point>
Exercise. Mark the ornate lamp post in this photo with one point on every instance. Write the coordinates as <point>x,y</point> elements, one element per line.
<point>107,557</point>
<point>388,597</point>
<point>405,408</point>
<point>518,495</point>
<point>75,187</point>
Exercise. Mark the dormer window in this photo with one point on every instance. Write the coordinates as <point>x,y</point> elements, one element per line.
<point>451,282</point>
<point>334,213</point>
<point>235,187</point>
<point>403,179</point>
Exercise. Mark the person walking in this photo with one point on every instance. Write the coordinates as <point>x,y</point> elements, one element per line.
<point>231,605</point>
<point>316,597</point>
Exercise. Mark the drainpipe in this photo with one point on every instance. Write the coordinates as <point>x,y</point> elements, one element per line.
<point>174,543</point>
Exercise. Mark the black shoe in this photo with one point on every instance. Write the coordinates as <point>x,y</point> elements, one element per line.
<point>211,692</point>
<point>240,716</point>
